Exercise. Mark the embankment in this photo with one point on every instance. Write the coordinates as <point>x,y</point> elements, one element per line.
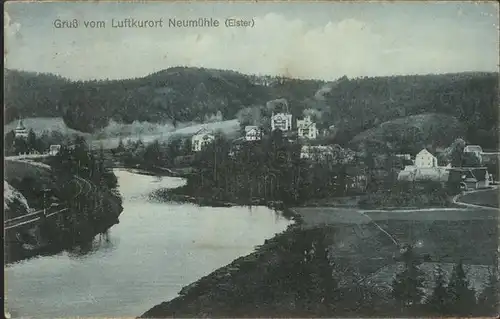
<point>90,210</point>
<point>286,276</point>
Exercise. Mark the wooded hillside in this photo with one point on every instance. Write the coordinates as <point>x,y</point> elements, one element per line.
<point>181,94</point>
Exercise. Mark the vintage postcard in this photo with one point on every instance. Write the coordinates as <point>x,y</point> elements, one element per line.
<point>251,159</point>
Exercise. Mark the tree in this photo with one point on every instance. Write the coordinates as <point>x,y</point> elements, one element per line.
<point>456,151</point>
<point>490,295</point>
<point>9,139</point>
<point>439,299</point>
<point>187,147</point>
<point>31,140</point>
<point>462,297</point>
<point>407,286</point>
<point>471,160</point>
<point>120,148</point>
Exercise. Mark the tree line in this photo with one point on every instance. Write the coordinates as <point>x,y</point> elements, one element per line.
<point>94,203</point>
<point>194,94</point>
<point>453,297</point>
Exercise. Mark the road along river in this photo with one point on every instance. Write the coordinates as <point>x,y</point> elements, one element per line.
<point>155,250</point>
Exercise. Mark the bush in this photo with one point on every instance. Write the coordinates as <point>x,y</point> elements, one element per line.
<point>409,194</point>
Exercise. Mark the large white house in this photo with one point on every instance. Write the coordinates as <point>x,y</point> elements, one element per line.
<point>201,139</point>
<point>253,133</point>
<point>307,128</point>
<point>281,121</point>
<point>425,159</point>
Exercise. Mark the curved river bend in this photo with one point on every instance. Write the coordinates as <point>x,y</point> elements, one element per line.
<point>155,250</point>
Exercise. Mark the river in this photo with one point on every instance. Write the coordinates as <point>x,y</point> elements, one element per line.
<point>155,250</point>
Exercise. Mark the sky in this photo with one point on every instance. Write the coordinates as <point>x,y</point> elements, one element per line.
<point>303,40</point>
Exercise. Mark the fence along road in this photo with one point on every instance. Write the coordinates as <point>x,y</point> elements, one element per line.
<point>35,216</point>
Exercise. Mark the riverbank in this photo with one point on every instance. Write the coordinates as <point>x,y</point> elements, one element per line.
<point>274,281</point>
<point>94,211</point>
<point>277,279</point>
<point>155,250</point>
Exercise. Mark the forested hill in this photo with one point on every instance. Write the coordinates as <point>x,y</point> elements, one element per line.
<point>30,94</point>
<point>472,98</point>
<point>177,94</point>
<point>194,94</point>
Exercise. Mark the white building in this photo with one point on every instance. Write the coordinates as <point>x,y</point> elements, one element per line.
<point>307,128</point>
<point>414,173</point>
<point>425,159</point>
<point>201,139</point>
<point>315,152</point>
<point>253,133</point>
<point>281,121</point>
<point>54,149</point>
<point>476,149</point>
<point>20,131</point>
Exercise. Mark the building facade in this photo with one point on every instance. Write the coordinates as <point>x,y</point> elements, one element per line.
<point>316,152</point>
<point>253,133</point>
<point>476,149</point>
<point>281,121</point>
<point>306,128</point>
<point>21,131</point>
<point>54,149</point>
<point>200,140</point>
<point>425,159</point>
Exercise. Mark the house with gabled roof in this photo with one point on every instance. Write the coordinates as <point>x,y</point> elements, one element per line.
<point>281,121</point>
<point>253,133</point>
<point>478,150</point>
<point>201,139</point>
<point>306,128</point>
<point>425,159</point>
<point>21,131</point>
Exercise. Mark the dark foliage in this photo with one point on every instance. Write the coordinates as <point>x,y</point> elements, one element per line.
<point>193,94</point>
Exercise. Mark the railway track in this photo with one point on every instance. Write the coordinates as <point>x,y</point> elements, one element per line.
<point>84,187</point>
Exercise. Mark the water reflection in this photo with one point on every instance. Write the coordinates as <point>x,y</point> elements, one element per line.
<point>155,250</point>
<point>102,243</point>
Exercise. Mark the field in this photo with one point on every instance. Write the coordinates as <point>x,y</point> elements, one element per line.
<point>488,198</point>
<point>442,235</point>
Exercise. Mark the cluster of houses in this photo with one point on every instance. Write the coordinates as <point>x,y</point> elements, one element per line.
<point>306,129</point>
<point>425,167</point>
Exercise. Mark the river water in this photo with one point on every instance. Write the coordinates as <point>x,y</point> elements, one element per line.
<point>155,250</point>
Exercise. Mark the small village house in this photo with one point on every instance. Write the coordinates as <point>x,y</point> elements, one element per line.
<point>236,146</point>
<point>201,139</point>
<point>281,121</point>
<point>425,159</point>
<point>315,152</point>
<point>21,131</point>
<point>420,174</point>
<point>307,128</point>
<point>471,177</point>
<point>406,157</point>
<point>425,168</point>
<point>476,149</point>
<point>54,150</point>
<point>253,133</point>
